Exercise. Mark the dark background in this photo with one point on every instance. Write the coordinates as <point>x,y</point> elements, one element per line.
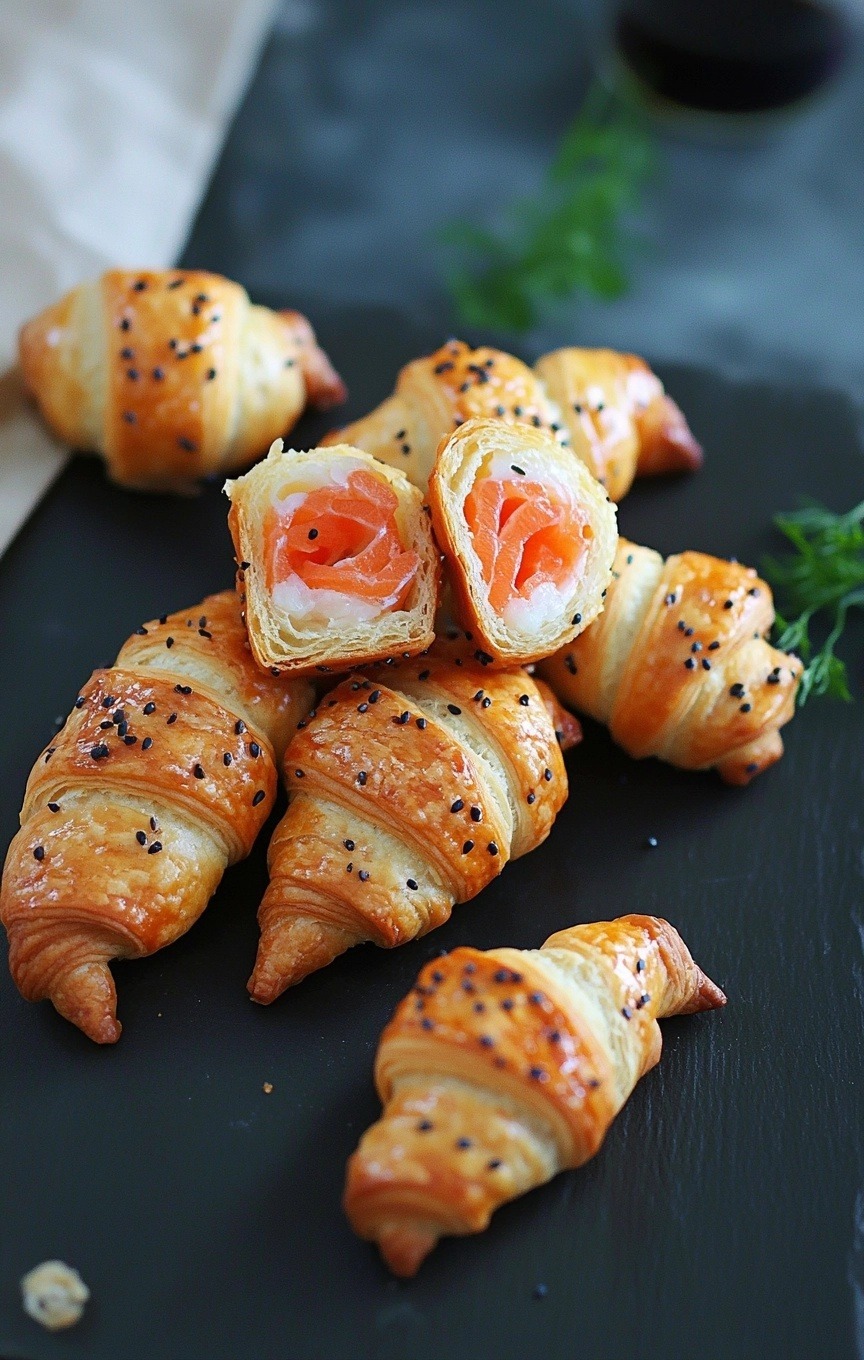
<point>724,1217</point>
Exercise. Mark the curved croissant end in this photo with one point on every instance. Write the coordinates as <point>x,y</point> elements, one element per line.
<point>292,947</point>
<point>70,969</point>
<point>324,387</point>
<point>88,998</point>
<point>666,442</point>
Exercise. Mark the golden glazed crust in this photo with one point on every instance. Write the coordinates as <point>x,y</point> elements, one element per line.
<point>171,374</point>
<point>460,463</point>
<point>406,797</point>
<point>435,394</point>
<point>677,665</point>
<point>163,775</point>
<point>502,1068</point>
<point>609,407</point>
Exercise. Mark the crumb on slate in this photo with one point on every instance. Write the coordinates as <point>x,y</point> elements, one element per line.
<point>54,1295</point>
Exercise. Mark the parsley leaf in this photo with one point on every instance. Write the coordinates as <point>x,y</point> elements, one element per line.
<point>822,579</point>
<point>571,237</point>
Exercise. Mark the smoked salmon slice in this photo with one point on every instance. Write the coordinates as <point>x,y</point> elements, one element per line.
<point>343,538</point>
<point>524,536</point>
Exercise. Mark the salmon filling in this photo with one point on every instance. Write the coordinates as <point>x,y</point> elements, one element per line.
<point>530,541</point>
<point>336,552</point>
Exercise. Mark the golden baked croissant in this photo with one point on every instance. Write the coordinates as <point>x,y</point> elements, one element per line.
<point>503,1068</point>
<point>338,566</point>
<point>677,665</point>
<point>405,799</point>
<point>621,422</point>
<point>609,407</point>
<point>164,774</point>
<point>172,374</point>
<point>528,534</point>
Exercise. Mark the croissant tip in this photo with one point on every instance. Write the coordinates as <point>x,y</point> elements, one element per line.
<point>265,985</point>
<point>710,995</point>
<point>87,998</point>
<point>404,1249</point>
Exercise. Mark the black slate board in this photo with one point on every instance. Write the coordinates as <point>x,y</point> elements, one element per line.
<point>724,1216</point>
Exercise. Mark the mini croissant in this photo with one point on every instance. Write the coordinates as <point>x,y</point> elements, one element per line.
<point>503,1068</point>
<point>609,407</point>
<point>164,774</point>
<point>339,567</point>
<point>528,534</point>
<point>406,798</point>
<point>172,375</point>
<point>677,665</point>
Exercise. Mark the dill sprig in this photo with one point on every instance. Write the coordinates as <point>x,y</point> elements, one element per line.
<point>571,237</point>
<point>822,579</point>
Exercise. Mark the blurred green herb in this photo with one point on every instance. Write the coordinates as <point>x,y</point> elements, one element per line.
<point>571,237</point>
<point>824,578</point>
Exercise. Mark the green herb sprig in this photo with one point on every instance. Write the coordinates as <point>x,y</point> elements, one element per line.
<point>573,236</point>
<point>822,578</point>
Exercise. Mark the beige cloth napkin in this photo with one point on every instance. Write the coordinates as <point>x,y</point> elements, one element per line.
<point>111,117</point>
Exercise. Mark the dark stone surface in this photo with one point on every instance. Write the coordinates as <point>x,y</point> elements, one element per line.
<point>722,1218</point>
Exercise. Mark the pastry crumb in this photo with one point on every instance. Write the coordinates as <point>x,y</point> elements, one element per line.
<point>54,1295</point>
<point>267,1087</point>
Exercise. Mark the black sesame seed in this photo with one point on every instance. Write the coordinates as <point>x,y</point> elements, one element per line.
<point>690,664</point>
<point>146,743</point>
<point>155,848</point>
<point>254,749</point>
<point>712,646</point>
<point>426,1023</point>
<point>53,807</point>
<point>39,853</point>
<point>626,1012</point>
<point>476,814</point>
<point>130,417</point>
<point>99,752</point>
<point>183,689</point>
<point>171,720</point>
<point>79,702</point>
<point>169,642</point>
<point>728,604</point>
<point>421,723</point>
<point>130,740</point>
<point>706,664</point>
<point>125,324</point>
<point>454,709</point>
<point>127,353</point>
<point>492,848</point>
<point>457,806</point>
<point>239,727</point>
<point>538,1074</point>
<point>463,1143</point>
<point>494,1164</point>
<point>362,708</point>
<point>149,708</point>
<point>412,884</point>
<point>773,680</point>
<point>425,1125</point>
<point>188,444</point>
<point>363,876</point>
<point>547,775</point>
<point>745,708</point>
<point>736,690</point>
<point>467,847</point>
<point>524,700</point>
<point>298,774</point>
<point>531,798</point>
<point>259,798</point>
<point>141,837</point>
<point>696,647</point>
<point>361,778</point>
